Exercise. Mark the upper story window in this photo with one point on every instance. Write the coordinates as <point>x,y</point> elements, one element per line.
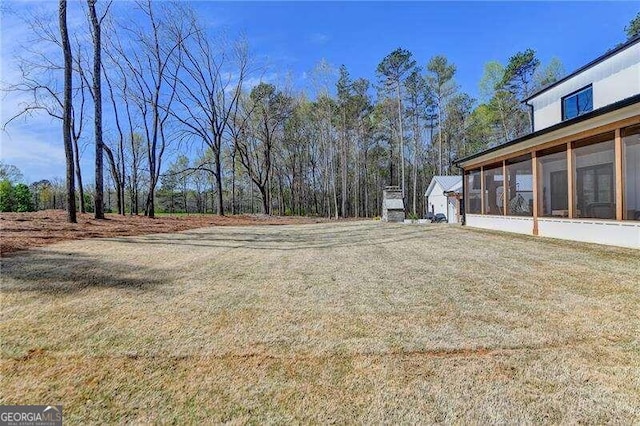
<point>577,103</point>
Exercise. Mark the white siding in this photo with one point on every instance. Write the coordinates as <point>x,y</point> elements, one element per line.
<point>547,116</point>
<point>622,234</point>
<point>438,203</point>
<point>614,79</point>
<point>519,225</point>
<point>452,215</point>
<point>618,86</point>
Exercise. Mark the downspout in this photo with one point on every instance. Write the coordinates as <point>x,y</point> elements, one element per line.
<point>533,126</point>
<point>463,209</point>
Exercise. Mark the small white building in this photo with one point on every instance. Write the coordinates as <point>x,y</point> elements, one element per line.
<point>443,195</point>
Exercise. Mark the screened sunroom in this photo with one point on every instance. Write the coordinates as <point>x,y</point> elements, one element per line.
<point>577,175</point>
<point>578,180</point>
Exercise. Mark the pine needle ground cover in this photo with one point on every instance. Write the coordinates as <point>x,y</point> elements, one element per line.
<point>333,322</point>
<point>22,231</point>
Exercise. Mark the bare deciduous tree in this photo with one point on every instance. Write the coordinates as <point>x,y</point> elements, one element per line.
<point>209,92</point>
<point>154,62</point>
<point>96,24</point>
<point>39,78</point>
<point>270,108</point>
<point>66,117</point>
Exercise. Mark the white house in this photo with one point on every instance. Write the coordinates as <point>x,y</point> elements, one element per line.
<point>611,78</point>
<point>577,175</point>
<point>442,196</point>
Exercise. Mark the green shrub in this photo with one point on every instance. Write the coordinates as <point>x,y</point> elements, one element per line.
<point>6,196</point>
<point>88,203</point>
<point>22,198</point>
<point>15,198</point>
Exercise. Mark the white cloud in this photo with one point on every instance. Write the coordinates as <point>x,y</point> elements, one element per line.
<point>319,38</point>
<point>32,143</point>
<point>252,82</point>
<point>37,157</point>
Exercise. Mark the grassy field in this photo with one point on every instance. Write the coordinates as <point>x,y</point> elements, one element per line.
<point>350,322</point>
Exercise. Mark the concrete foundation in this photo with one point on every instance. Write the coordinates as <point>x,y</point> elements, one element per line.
<point>609,232</point>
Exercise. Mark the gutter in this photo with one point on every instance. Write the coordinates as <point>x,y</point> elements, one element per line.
<point>533,126</point>
<point>595,113</point>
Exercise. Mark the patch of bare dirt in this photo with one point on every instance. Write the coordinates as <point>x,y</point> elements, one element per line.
<point>22,231</point>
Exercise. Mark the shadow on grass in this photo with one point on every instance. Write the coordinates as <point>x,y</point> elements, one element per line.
<point>59,272</point>
<point>285,240</point>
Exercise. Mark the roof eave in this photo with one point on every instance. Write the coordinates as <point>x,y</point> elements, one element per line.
<point>593,114</point>
<point>593,63</point>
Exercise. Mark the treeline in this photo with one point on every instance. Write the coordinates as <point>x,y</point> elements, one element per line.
<point>185,123</point>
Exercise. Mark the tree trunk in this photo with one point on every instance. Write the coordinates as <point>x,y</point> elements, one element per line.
<point>150,204</point>
<point>97,100</point>
<point>439,136</point>
<point>136,193</point>
<point>315,195</point>
<point>122,180</point>
<point>66,121</point>
<point>281,208</point>
<point>401,138</point>
<point>185,199</point>
<point>356,178</point>
<point>233,181</point>
<point>269,192</point>
<point>76,152</point>
<point>252,196</point>
<point>116,178</point>
<point>213,195</point>
<point>265,199</point>
<point>343,169</point>
<point>366,187</point>
<point>416,156</point>
<point>219,181</point>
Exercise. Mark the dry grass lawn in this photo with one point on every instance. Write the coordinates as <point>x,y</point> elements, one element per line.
<point>357,322</point>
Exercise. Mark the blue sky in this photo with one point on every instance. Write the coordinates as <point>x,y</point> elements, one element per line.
<point>293,36</point>
<point>360,34</point>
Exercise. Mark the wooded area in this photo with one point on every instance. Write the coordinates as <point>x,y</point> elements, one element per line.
<point>189,124</point>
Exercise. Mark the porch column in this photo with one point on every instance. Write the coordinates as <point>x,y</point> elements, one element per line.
<point>482,190</point>
<point>570,191</point>
<point>618,174</point>
<point>534,170</point>
<point>505,187</point>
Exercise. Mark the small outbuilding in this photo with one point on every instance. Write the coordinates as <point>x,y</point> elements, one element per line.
<point>443,196</point>
<point>392,204</point>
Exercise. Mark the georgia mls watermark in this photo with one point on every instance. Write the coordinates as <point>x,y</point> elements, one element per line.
<point>30,415</point>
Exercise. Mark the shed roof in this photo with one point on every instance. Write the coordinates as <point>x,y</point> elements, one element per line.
<point>447,183</point>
